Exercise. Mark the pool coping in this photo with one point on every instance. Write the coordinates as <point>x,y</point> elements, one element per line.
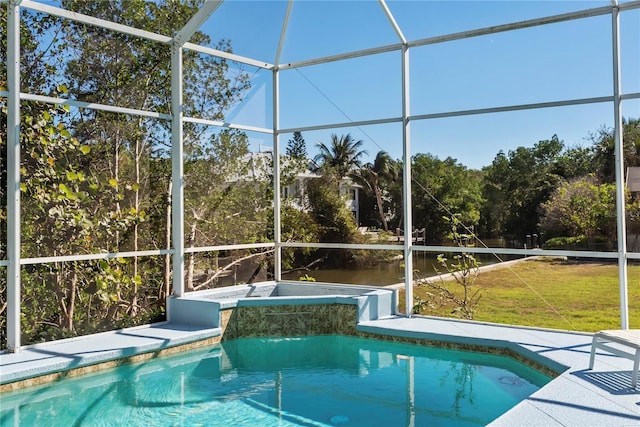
<point>577,396</point>
<point>41,363</point>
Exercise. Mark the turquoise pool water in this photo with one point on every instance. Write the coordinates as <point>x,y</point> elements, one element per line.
<point>309,381</point>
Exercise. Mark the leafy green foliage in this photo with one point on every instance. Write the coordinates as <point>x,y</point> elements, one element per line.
<point>67,211</point>
<point>336,223</point>
<point>581,207</point>
<point>516,184</point>
<point>297,226</point>
<point>373,178</point>
<point>232,205</point>
<point>95,181</point>
<point>297,147</point>
<point>439,188</point>
<point>340,157</point>
<point>603,142</point>
<point>59,198</point>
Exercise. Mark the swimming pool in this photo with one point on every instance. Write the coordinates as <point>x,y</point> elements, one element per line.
<point>307,381</point>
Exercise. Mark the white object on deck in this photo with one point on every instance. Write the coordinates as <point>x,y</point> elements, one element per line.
<point>624,337</point>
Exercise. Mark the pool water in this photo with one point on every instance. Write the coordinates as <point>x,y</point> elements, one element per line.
<point>310,381</point>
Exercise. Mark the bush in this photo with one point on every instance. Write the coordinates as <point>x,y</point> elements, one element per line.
<point>578,243</point>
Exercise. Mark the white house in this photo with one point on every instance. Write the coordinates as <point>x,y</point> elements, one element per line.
<point>260,167</point>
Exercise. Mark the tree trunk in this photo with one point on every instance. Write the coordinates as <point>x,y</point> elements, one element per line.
<point>116,176</point>
<point>381,208</point>
<point>133,308</point>
<point>192,256</point>
<point>72,299</point>
<point>61,295</point>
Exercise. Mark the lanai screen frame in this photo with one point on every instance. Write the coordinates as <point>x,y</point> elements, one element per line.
<point>14,262</point>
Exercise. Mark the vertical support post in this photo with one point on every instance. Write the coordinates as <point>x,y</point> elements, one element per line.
<point>619,163</point>
<point>177,170</point>
<point>277,256</point>
<point>13,177</point>
<point>406,183</point>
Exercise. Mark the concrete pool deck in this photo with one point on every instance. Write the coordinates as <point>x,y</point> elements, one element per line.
<point>577,397</point>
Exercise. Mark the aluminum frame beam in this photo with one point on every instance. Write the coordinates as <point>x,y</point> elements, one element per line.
<point>392,21</point>
<point>341,56</point>
<point>199,249</point>
<point>90,257</point>
<point>227,125</point>
<point>406,182</point>
<point>196,21</point>
<point>342,125</point>
<point>177,172</point>
<point>277,222</point>
<point>79,17</point>
<point>619,169</point>
<point>13,179</point>
<point>554,19</point>
<point>518,107</point>
<point>365,246</point>
<point>93,106</point>
<point>283,33</point>
<point>227,55</point>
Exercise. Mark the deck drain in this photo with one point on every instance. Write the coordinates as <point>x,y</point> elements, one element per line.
<point>339,419</point>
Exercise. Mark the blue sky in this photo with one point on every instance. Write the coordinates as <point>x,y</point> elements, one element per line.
<point>567,60</point>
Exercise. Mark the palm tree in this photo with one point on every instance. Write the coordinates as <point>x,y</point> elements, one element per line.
<point>372,177</point>
<point>341,157</point>
<point>604,148</point>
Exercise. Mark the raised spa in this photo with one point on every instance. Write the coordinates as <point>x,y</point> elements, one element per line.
<point>205,308</point>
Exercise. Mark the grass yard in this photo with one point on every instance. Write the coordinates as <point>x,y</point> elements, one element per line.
<point>579,295</point>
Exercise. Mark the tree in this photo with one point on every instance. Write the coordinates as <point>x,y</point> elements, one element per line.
<point>581,207</point>
<point>341,156</point>
<point>128,71</point>
<point>231,206</point>
<point>336,223</point>
<point>373,177</point>
<point>68,212</point>
<point>326,205</point>
<point>63,209</point>
<point>575,162</point>
<point>297,226</point>
<point>297,147</point>
<point>395,188</point>
<point>39,61</point>
<point>295,161</point>
<point>516,184</point>
<point>119,69</point>
<point>97,181</point>
<point>439,188</point>
<point>604,149</point>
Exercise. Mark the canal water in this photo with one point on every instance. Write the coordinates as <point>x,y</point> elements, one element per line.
<point>387,273</point>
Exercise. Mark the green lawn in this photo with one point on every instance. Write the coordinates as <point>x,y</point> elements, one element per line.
<point>580,296</point>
